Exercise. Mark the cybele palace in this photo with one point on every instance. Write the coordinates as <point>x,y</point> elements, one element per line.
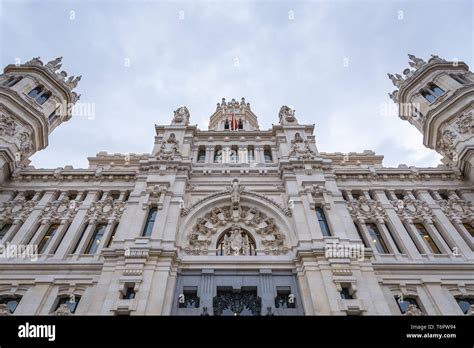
<point>235,220</point>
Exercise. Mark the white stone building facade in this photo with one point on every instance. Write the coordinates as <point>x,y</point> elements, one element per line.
<point>235,220</point>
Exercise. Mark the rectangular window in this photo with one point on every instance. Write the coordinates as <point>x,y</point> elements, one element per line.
<point>427,238</point>
<point>4,229</point>
<point>129,293</point>
<point>360,235</point>
<point>394,241</point>
<point>405,302</point>
<point>468,227</point>
<point>189,298</point>
<point>97,237</point>
<point>112,236</point>
<point>150,221</point>
<point>79,240</point>
<point>377,239</point>
<point>323,222</point>
<point>47,238</point>
<point>465,303</point>
<point>284,298</point>
<point>10,302</point>
<point>346,293</point>
<point>71,301</point>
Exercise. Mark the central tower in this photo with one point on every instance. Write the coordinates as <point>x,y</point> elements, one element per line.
<point>233,116</point>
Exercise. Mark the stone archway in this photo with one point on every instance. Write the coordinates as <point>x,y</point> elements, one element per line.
<point>202,237</point>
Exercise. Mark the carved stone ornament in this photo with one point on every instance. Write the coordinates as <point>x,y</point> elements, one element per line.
<point>366,209</point>
<point>26,144</point>
<point>181,116</point>
<point>446,143</point>
<point>108,210</point>
<point>301,150</point>
<point>465,123</point>
<point>227,217</point>
<point>415,62</point>
<point>4,311</point>
<point>156,196</point>
<point>51,68</point>
<point>16,210</point>
<point>286,115</point>
<point>169,149</point>
<point>413,310</point>
<point>60,210</point>
<point>7,125</point>
<point>418,65</point>
<point>63,310</point>
<point>412,209</point>
<point>457,209</point>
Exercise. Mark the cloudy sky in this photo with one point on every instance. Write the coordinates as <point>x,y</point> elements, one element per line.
<point>140,60</point>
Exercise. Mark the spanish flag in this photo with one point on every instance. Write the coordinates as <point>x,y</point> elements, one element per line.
<point>233,123</point>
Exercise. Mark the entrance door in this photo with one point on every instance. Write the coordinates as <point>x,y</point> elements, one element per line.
<point>237,302</point>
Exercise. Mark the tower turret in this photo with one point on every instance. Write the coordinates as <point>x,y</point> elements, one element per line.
<point>437,97</point>
<point>233,115</point>
<point>35,98</point>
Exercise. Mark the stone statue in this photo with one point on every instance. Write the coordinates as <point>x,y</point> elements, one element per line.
<point>62,75</point>
<point>55,64</point>
<point>7,125</point>
<point>235,191</point>
<point>416,62</point>
<point>62,310</point>
<point>181,115</point>
<point>286,115</point>
<point>395,80</point>
<point>34,61</point>
<point>413,310</point>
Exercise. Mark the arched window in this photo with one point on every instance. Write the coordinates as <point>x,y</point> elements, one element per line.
<point>267,154</point>
<point>234,154</point>
<point>226,124</point>
<point>428,96</point>
<point>218,154</point>
<point>461,78</point>
<point>8,80</point>
<point>201,154</point>
<point>241,124</point>
<point>11,302</point>
<point>251,153</point>
<point>236,241</point>
<point>4,230</point>
<point>43,97</point>
<point>435,89</point>
<point>417,114</point>
<point>35,92</point>
<point>70,301</point>
<point>11,81</point>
